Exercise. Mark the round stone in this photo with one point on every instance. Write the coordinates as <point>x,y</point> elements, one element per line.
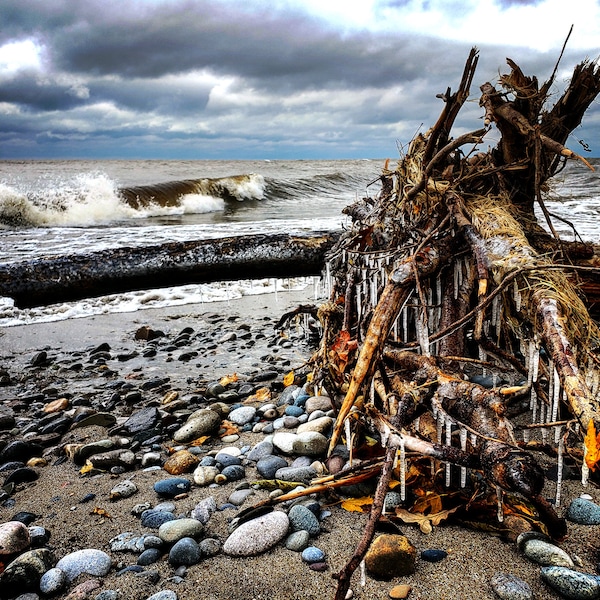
<point>234,472</point>
<point>169,488</point>
<point>153,519</point>
<point>433,555</point>
<point>310,443</point>
<point>124,489</point>
<point>269,465</point>
<point>14,537</point>
<point>242,415</point>
<point>173,531</point>
<point>257,535</point>
<point>199,423</point>
<point>204,476</point>
<point>185,552</point>
<point>572,584</point>
<point>149,557</point>
<point>297,541</point>
<point>210,547</point>
<point>284,441</point>
<point>312,554</point>
<point>180,462</point>
<point>89,560</point>
<point>303,519</point>
<point>584,512</point>
<point>510,587</point>
<point>25,572</point>
<point>53,581</point>
<point>391,555</point>
<point>163,595</point>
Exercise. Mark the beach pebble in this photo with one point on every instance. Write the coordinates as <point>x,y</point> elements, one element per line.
<point>153,518</point>
<point>510,587</point>
<point>260,450</point>
<point>124,489</point>
<point>310,443</point>
<point>572,584</point>
<point>284,441</point>
<point>545,553</point>
<point>14,537</point>
<point>391,555</point>
<point>303,519</point>
<point>53,581</point>
<point>210,547</point>
<point>433,555</point>
<point>127,541</point>
<point>163,595</point>
<point>84,590</point>
<point>257,535</point>
<point>238,497</point>
<point>201,422</point>
<point>312,554</point>
<point>398,592</point>
<point>269,465</point>
<point>205,475</point>
<point>299,474</point>
<point>297,541</point>
<point>319,425</point>
<point>89,560</point>
<point>185,552</point>
<point>584,512</point>
<point>172,487</point>
<point>25,571</point>
<point>38,536</point>
<point>226,460</point>
<point>142,420</point>
<point>180,462</point>
<point>204,510</point>
<point>234,472</point>
<point>318,403</point>
<point>107,595</point>
<point>172,531</point>
<point>149,556</point>
<point>242,415</point>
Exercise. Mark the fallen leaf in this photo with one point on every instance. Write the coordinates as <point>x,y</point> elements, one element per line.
<point>227,379</point>
<point>227,428</point>
<point>592,449</point>
<point>101,511</point>
<point>289,379</point>
<point>425,522</point>
<point>430,503</point>
<point>357,504</point>
<point>200,441</point>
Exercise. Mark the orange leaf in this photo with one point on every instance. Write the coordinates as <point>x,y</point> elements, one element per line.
<point>591,442</point>
<point>357,504</point>
<point>227,379</point>
<point>289,379</point>
<point>101,511</point>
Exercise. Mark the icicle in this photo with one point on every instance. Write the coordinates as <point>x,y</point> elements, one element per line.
<point>517,296</point>
<point>348,433</point>
<point>482,356</point>
<point>555,403</point>
<point>363,574</point>
<point>535,365</point>
<point>423,334</point>
<point>402,470</point>
<point>438,295</point>
<point>328,282</point>
<point>358,302</point>
<point>559,468</point>
<point>457,268</point>
<point>463,447</point>
<point>448,443</point>
<point>525,435</point>
<point>534,405</point>
<point>441,418</point>
<point>585,470</point>
<point>495,311</point>
<point>500,510</point>
<point>405,324</point>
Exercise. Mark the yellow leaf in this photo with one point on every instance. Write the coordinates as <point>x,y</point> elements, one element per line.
<point>592,452</point>
<point>200,441</point>
<point>262,394</point>
<point>289,379</point>
<point>425,522</point>
<point>86,468</point>
<point>357,504</point>
<point>101,511</point>
<point>227,379</point>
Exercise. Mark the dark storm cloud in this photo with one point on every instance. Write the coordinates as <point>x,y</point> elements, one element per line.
<point>243,75</point>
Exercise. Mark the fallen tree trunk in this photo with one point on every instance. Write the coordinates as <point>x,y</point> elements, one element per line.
<point>66,278</point>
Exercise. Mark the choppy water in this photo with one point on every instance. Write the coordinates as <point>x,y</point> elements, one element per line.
<point>50,208</point>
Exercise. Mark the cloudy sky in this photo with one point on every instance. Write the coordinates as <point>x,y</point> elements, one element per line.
<point>265,78</point>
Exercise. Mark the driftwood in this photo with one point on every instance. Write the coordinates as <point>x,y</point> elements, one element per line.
<point>447,274</point>
<point>61,279</point>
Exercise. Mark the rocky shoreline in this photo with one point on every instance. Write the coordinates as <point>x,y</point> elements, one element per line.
<point>129,471</point>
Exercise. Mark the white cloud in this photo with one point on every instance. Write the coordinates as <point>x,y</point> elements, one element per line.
<point>16,56</point>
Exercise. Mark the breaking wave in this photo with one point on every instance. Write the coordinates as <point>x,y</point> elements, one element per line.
<point>94,199</point>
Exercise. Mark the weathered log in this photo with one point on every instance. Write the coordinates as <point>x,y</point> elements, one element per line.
<point>66,278</point>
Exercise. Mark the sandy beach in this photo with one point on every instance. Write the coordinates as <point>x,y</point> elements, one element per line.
<point>55,498</point>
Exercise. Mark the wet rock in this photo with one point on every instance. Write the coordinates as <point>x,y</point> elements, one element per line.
<point>22,475</point>
<point>572,584</point>
<point>121,457</point>
<point>169,488</point>
<point>89,560</point>
<point>390,556</point>
<point>257,535</point>
<point>24,573</point>
<point>142,420</point>
<point>19,450</point>
<point>202,422</point>
<point>14,537</point>
<point>180,462</point>
<point>510,587</point>
<point>584,512</point>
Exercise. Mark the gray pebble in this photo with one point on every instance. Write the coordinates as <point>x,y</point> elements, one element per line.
<point>269,465</point>
<point>510,587</point>
<point>127,541</point>
<point>210,547</point>
<point>258,535</point>
<point>238,497</point>
<point>545,553</point>
<point>300,474</point>
<point>204,510</point>
<point>572,584</point>
<point>242,415</point>
<point>260,450</point>
<point>173,531</point>
<point>584,512</point>
<point>303,519</point>
<point>297,541</point>
<point>185,552</point>
<point>163,595</point>
<point>89,560</point>
<point>53,581</point>
<point>149,557</point>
